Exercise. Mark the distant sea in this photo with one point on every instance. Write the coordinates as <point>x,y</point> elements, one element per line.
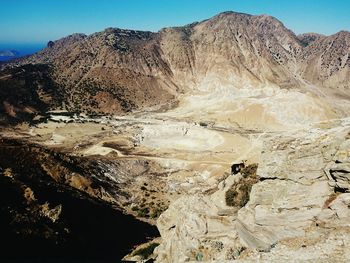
<point>22,49</point>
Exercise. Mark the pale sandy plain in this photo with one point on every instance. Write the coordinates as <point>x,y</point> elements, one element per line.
<point>213,126</point>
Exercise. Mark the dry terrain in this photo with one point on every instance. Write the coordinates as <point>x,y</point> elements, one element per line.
<point>150,123</point>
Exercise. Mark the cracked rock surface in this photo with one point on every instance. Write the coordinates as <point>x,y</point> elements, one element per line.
<point>299,210</point>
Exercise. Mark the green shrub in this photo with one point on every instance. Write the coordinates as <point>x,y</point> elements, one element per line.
<point>156,212</point>
<point>143,212</point>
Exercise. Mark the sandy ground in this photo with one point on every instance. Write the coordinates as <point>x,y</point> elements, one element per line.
<point>195,143</point>
<point>266,108</point>
<point>190,153</point>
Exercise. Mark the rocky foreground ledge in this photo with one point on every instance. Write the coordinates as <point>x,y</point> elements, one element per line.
<point>299,210</point>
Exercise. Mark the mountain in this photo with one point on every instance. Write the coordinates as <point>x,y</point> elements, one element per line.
<point>6,55</point>
<point>9,53</point>
<point>326,61</point>
<point>308,38</point>
<point>117,70</point>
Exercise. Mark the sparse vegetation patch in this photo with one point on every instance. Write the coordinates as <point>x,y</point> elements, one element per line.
<point>238,194</point>
<point>146,251</point>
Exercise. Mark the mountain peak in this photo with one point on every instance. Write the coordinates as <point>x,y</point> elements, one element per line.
<point>308,38</point>
<point>231,13</point>
<point>342,34</point>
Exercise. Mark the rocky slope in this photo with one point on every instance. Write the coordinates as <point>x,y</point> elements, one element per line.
<point>299,209</point>
<point>307,38</point>
<point>57,207</point>
<point>326,62</point>
<point>26,92</point>
<point>112,71</point>
<point>116,71</point>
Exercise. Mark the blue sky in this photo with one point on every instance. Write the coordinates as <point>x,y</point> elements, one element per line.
<point>38,21</point>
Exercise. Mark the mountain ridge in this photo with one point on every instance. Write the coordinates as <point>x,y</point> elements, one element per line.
<point>119,70</point>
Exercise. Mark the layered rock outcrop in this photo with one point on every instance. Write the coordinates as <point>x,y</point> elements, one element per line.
<point>300,201</point>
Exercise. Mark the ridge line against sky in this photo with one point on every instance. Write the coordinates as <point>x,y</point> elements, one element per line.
<point>38,21</point>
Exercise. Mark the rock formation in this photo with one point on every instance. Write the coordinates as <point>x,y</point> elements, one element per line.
<point>301,200</point>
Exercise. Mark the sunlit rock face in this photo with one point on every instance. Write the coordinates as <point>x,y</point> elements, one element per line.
<point>300,204</point>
